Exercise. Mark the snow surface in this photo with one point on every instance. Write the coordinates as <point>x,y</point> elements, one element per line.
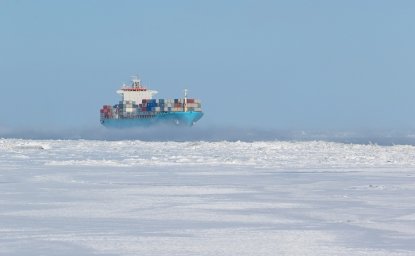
<point>79,197</point>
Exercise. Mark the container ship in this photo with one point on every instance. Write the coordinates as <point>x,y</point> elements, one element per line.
<point>137,108</point>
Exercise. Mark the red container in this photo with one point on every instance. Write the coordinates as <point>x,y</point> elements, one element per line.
<point>190,100</point>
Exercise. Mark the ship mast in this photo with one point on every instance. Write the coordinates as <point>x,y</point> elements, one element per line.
<point>185,100</point>
<point>136,82</point>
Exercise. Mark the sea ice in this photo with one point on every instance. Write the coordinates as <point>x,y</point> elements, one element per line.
<point>80,197</point>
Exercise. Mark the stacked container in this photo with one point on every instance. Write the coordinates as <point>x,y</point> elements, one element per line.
<point>149,107</point>
<point>106,112</point>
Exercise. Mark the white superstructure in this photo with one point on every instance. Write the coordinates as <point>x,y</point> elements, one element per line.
<point>136,92</point>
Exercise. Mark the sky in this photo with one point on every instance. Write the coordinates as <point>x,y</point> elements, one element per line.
<point>300,65</point>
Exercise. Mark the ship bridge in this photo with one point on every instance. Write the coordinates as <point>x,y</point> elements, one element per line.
<point>136,92</point>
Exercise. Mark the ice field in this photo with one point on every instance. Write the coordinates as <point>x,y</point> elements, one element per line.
<point>85,197</point>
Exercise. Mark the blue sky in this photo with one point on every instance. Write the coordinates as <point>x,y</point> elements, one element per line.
<point>339,65</point>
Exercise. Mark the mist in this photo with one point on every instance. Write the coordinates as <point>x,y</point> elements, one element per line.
<point>214,133</point>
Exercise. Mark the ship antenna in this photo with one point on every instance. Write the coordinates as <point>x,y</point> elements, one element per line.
<point>136,81</point>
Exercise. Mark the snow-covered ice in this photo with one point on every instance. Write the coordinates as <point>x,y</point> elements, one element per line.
<point>79,197</point>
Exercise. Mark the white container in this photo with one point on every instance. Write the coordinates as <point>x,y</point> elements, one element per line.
<point>192,105</point>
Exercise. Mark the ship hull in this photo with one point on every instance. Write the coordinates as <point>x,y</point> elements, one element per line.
<point>169,118</point>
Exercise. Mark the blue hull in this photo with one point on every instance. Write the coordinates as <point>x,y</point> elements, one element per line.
<point>173,118</point>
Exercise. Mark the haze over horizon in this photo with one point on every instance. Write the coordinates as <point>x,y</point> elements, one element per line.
<point>295,65</point>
